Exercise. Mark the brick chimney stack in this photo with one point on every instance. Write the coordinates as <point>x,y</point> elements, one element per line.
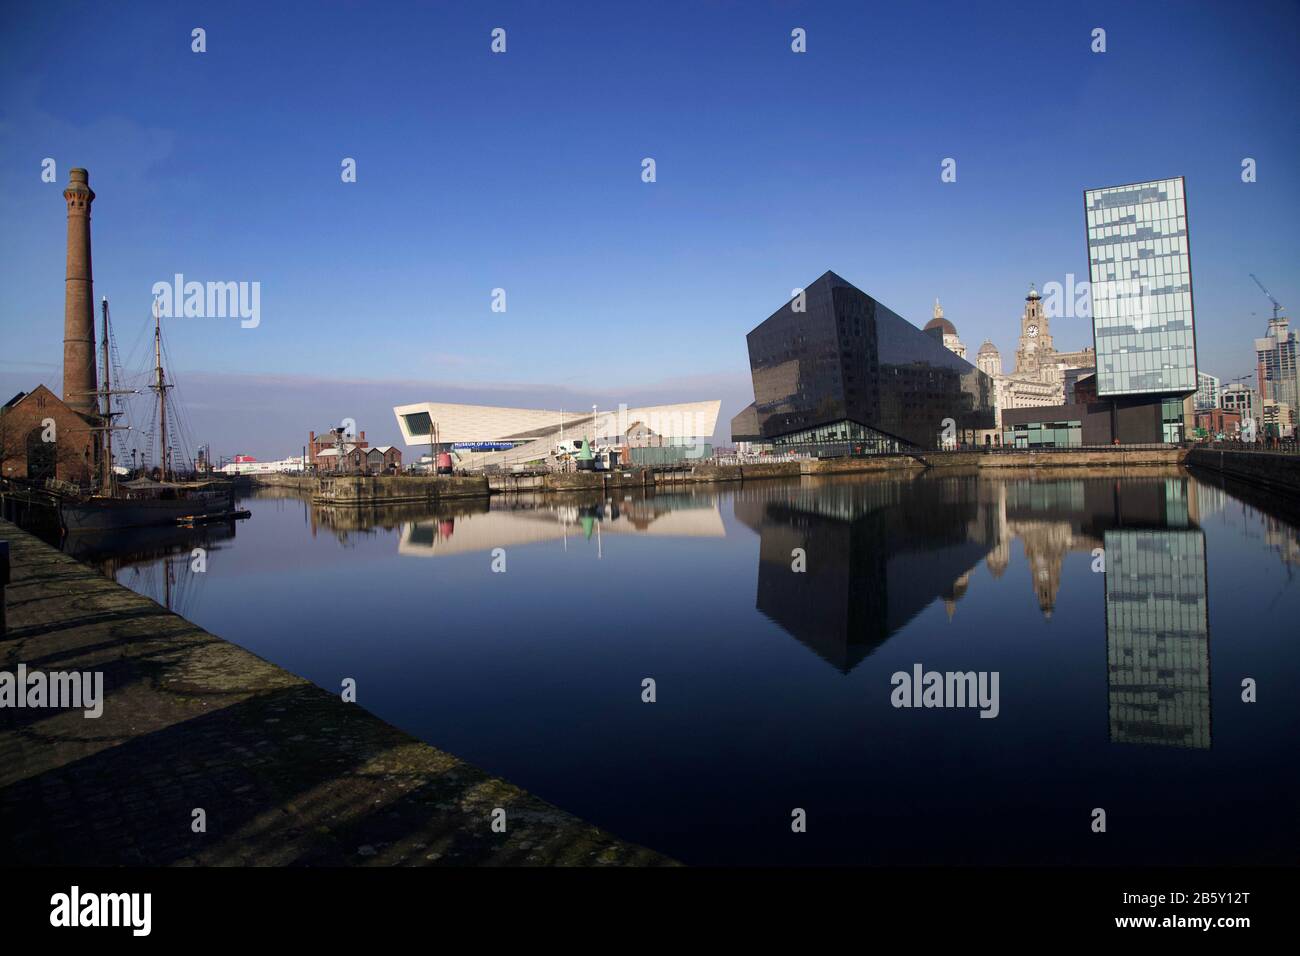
<point>79,381</point>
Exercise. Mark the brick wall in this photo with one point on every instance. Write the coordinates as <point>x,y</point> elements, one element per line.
<point>74,454</point>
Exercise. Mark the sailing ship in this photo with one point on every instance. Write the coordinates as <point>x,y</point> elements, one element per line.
<point>143,501</point>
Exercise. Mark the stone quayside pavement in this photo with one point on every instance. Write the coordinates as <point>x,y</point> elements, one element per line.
<point>287,773</point>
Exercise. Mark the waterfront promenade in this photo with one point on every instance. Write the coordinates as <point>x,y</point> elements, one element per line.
<point>285,772</point>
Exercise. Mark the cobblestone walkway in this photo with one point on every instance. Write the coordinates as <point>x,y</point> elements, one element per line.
<point>286,773</point>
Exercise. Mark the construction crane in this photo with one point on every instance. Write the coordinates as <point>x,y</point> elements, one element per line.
<point>1277,306</point>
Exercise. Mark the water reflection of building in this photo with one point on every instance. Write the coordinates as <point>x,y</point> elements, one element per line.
<point>877,553</point>
<point>1157,627</point>
<point>1047,517</point>
<point>1053,517</point>
<point>1257,509</point>
<point>1157,637</point>
<point>518,521</point>
<point>349,521</point>
<point>1282,538</point>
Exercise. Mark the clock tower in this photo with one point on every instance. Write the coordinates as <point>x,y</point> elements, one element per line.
<point>1036,347</point>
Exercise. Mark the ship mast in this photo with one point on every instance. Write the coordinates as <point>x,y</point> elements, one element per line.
<point>107,481</point>
<point>160,386</point>
<point>107,476</point>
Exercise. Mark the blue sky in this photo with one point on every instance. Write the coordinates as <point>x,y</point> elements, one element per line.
<point>523,171</point>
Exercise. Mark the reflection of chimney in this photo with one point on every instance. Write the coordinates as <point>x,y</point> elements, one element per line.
<point>78,300</point>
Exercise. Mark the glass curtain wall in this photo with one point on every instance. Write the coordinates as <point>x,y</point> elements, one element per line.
<point>1141,274</point>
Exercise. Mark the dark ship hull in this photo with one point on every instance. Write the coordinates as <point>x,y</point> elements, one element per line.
<point>106,514</point>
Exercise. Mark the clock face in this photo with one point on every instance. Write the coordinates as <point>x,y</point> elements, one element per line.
<point>1032,331</point>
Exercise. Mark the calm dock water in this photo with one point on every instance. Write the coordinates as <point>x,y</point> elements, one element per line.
<point>517,633</point>
<point>196,752</point>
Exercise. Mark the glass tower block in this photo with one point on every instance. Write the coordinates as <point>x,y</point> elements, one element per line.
<point>1141,277</point>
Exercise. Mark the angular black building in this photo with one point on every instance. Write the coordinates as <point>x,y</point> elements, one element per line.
<point>840,369</point>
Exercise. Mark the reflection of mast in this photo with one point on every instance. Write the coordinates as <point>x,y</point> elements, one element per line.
<point>160,386</point>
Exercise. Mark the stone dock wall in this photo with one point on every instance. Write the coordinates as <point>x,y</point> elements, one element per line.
<point>1081,458</point>
<point>286,773</point>
<point>1270,469</point>
<point>400,489</point>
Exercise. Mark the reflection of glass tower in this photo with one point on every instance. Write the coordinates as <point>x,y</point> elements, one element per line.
<point>1157,637</point>
<point>877,554</point>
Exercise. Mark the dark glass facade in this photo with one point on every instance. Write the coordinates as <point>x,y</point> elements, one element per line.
<point>857,438</point>
<point>847,360</point>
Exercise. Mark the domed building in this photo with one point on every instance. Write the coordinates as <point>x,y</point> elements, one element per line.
<point>942,328</point>
<point>989,360</point>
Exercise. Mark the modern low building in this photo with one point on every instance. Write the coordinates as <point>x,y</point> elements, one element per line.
<point>480,434</point>
<point>833,369</point>
<point>1074,425</point>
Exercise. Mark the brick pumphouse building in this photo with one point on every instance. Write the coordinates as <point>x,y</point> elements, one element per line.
<point>358,456</point>
<point>41,437</point>
<point>322,450</point>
